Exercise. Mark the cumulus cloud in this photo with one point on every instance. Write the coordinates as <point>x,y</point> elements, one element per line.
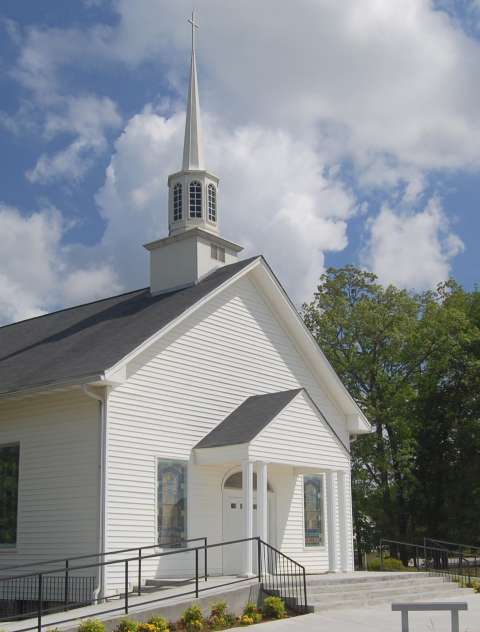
<point>276,196</point>
<point>388,87</point>
<point>87,117</point>
<point>36,273</point>
<point>412,250</point>
<point>379,77</point>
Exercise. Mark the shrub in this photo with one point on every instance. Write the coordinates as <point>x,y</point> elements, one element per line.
<point>192,619</point>
<point>389,564</point>
<point>219,618</point>
<point>91,625</point>
<point>160,624</point>
<point>146,627</point>
<point>127,625</point>
<point>246,620</point>
<point>274,607</point>
<point>252,612</point>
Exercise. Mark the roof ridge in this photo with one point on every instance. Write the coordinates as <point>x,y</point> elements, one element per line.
<point>66,309</point>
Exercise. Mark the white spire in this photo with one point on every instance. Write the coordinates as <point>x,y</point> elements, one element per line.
<point>193,145</point>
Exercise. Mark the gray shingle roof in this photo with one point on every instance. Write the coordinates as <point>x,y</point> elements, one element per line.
<point>86,340</point>
<point>246,421</point>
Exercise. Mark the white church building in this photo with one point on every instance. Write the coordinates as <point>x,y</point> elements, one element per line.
<point>199,406</point>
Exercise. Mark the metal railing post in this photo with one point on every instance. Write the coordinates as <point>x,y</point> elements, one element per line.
<point>196,573</point>
<point>259,559</point>
<point>305,587</point>
<point>139,572</point>
<point>126,586</point>
<point>39,608</point>
<point>66,585</point>
<point>381,555</point>
<point>205,561</point>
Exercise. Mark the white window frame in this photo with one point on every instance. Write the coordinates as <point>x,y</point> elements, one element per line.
<point>198,184</point>
<point>177,187</point>
<point>212,198</point>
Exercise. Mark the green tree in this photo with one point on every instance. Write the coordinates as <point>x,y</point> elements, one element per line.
<point>383,343</point>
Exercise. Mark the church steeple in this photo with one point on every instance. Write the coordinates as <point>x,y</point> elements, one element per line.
<point>193,248</point>
<point>193,192</point>
<point>193,144</point>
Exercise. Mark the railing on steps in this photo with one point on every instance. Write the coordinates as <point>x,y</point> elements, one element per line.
<point>279,575</point>
<point>456,562</point>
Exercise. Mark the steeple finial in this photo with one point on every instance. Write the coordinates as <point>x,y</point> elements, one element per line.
<point>193,145</point>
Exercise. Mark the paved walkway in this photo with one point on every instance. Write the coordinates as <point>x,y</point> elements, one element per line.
<point>377,619</point>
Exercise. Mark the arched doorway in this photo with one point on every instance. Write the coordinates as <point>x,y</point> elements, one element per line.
<point>233,520</point>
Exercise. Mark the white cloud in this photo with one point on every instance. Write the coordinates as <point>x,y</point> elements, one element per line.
<point>274,196</point>
<point>88,118</point>
<point>364,79</point>
<point>389,86</point>
<point>412,250</point>
<point>36,273</point>
<point>377,77</point>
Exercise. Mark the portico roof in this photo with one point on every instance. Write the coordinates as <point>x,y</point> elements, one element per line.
<point>285,427</point>
<point>246,421</point>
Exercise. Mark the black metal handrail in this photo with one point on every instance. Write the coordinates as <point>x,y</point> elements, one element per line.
<point>431,559</point>
<point>68,560</point>
<point>270,561</point>
<point>457,545</point>
<point>282,576</point>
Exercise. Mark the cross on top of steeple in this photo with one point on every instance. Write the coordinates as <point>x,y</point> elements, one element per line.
<point>195,25</point>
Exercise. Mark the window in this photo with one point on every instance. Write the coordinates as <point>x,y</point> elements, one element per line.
<point>177,202</point>
<point>9,460</point>
<point>172,502</point>
<point>234,481</point>
<point>313,509</point>
<point>218,253</point>
<point>195,199</point>
<point>212,203</point>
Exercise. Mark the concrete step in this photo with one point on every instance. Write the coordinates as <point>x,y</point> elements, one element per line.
<point>154,585</point>
<point>373,585</point>
<point>169,582</point>
<point>390,592</point>
<point>366,600</point>
<point>360,578</point>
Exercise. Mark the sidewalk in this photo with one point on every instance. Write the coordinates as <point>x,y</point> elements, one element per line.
<point>377,619</point>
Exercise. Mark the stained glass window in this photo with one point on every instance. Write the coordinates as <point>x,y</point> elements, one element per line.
<point>313,510</point>
<point>172,502</point>
<point>9,461</point>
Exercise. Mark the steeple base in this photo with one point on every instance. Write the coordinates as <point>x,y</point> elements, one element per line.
<point>185,259</point>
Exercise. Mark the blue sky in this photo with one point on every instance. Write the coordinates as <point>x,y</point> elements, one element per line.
<point>352,138</point>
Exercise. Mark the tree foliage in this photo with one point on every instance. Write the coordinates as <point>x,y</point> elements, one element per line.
<point>411,361</point>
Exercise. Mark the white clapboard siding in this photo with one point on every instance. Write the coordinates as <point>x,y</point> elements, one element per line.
<point>180,388</point>
<point>58,435</point>
<point>299,436</point>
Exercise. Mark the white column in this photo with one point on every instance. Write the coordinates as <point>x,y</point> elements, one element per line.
<point>332,503</point>
<point>247,480</point>
<point>262,501</point>
<point>344,526</point>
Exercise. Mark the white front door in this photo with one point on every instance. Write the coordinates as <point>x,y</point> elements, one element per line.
<point>233,529</point>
